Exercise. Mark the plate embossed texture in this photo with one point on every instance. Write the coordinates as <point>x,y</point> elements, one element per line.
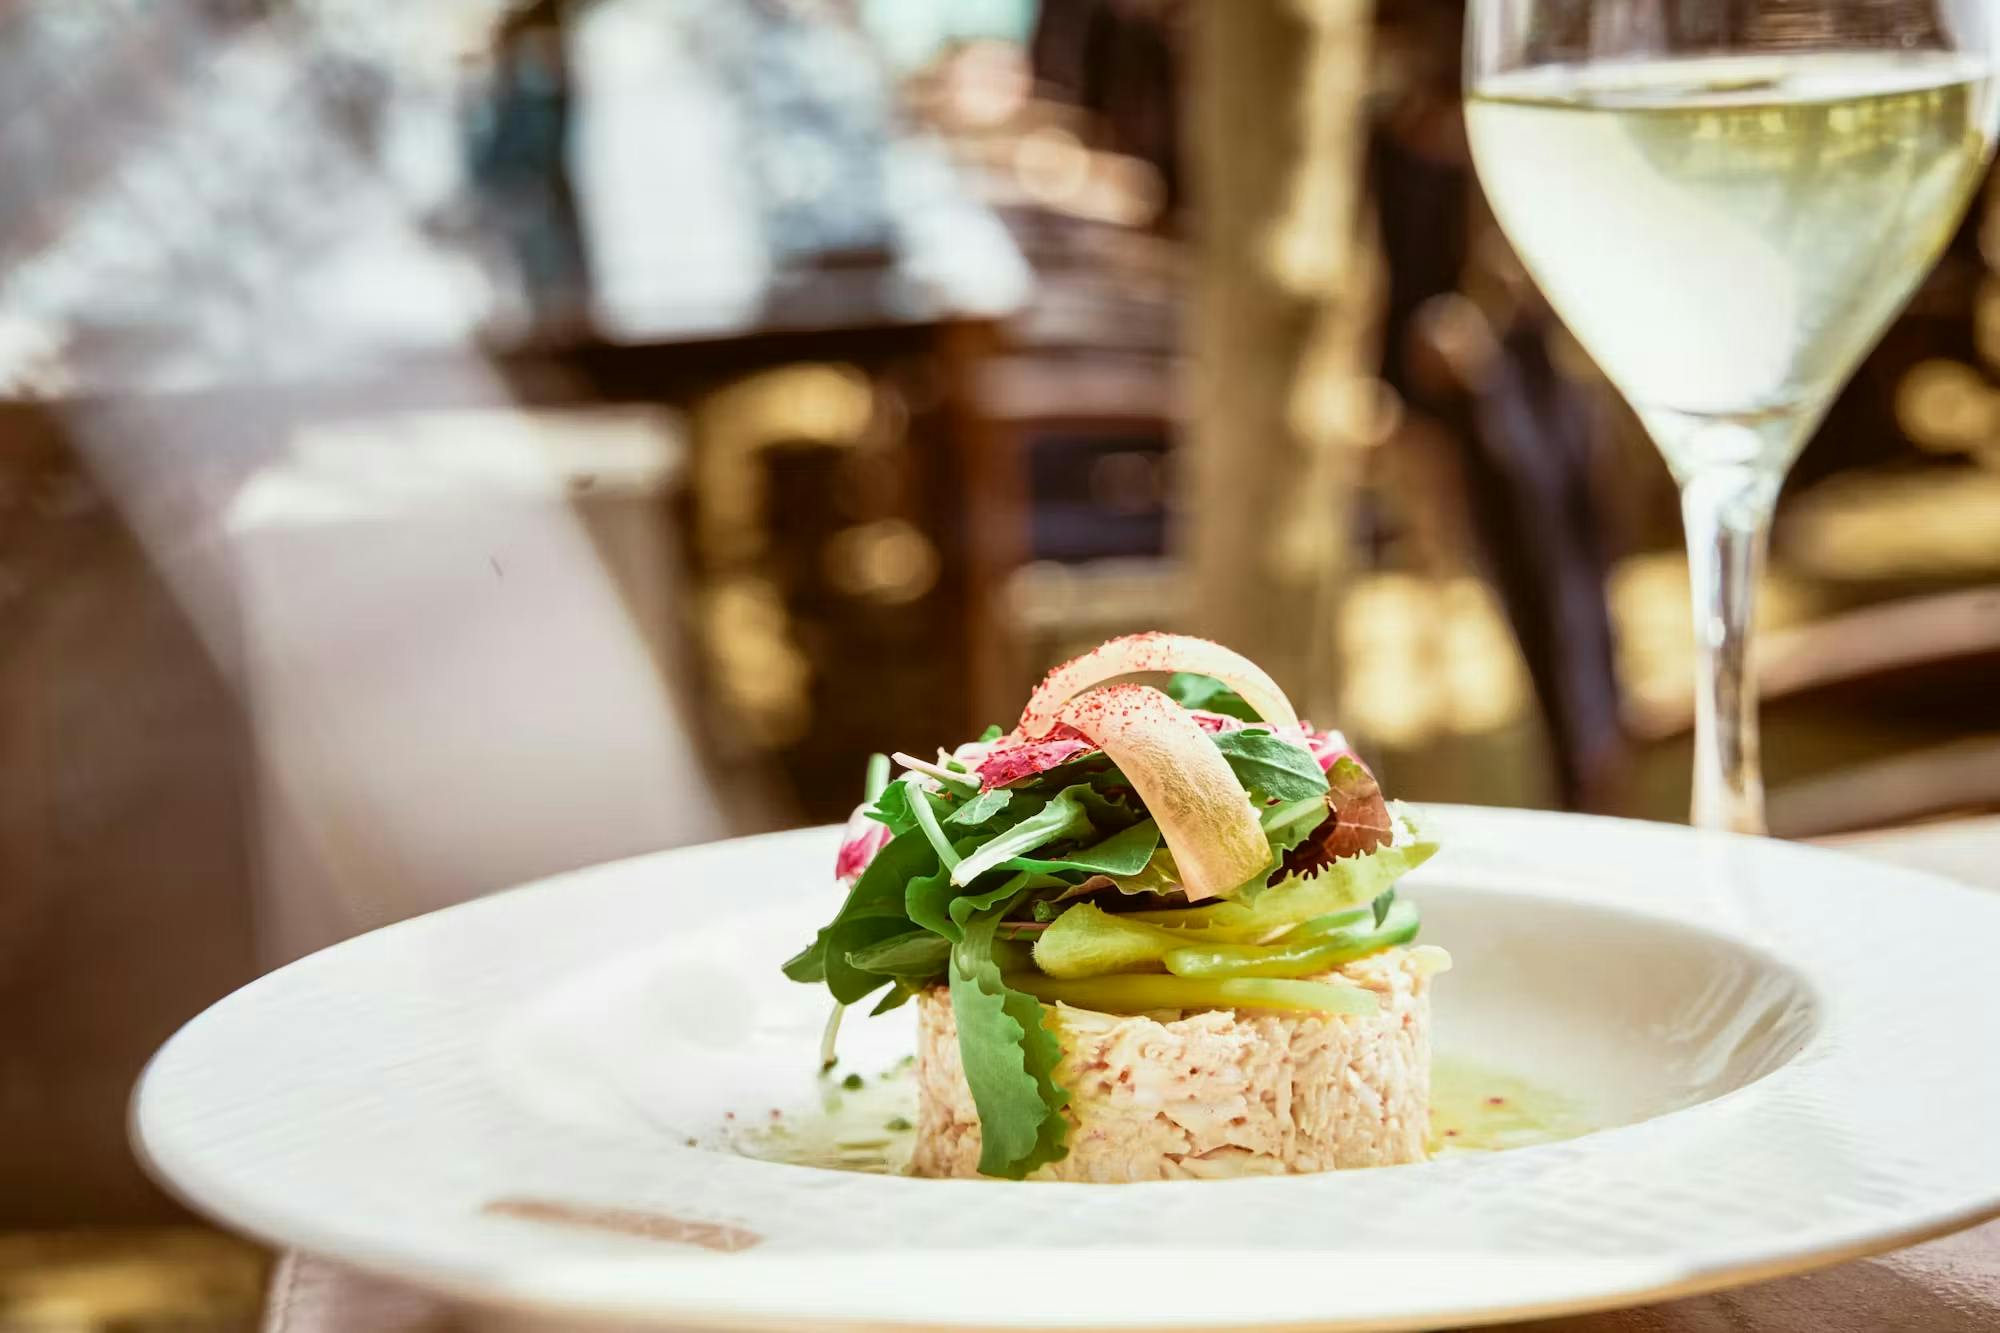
<point>1794,1048</point>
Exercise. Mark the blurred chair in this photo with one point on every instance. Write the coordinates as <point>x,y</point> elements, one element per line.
<point>382,665</point>
<point>126,902</point>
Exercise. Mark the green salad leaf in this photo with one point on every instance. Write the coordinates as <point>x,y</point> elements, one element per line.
<point>892,807</point>
<point>1105,797</point>
<point>1190,690</point>
<point>1271,770</point>
<point>927,901</point>
<point>873,912</point>
<point>1063,819</point>
<point>933,904</point>
<point>1383,902</point>
<point>1009,1056</point>
<point>987,807</point>
<point>1158,875</point>
<point>1123,853</point>
<point>912,953</point>
<point>898,995</point>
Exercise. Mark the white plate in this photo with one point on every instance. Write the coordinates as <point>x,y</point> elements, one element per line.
<point>1796,1051</point>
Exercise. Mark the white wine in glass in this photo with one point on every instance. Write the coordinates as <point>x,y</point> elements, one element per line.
<point>1727,213</point>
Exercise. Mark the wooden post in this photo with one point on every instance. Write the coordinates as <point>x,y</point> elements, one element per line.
<point>1283,295</point>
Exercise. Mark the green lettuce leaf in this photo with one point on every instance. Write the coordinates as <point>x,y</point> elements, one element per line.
<point>898,996</point>
<point>912,953</point>
<point>984,808</point>
<point>1206,692</point>
<point>1159,875</point>
<point>1009,1057</point>
<point>1063,819</point>
<point>1383,902</point>
<point>1124,853</point>
<point>1108,799</point>
<point>873,912</point>
<point>927,901</point>
<point>892,807</point>
<point>1271,770</point>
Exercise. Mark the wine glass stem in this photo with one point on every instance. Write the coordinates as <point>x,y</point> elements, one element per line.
<point>1727,513</point>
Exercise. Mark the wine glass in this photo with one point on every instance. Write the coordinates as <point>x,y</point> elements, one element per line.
<point>1726,201</point>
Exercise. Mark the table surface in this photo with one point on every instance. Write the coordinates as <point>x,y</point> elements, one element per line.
<point>1946,1286</point>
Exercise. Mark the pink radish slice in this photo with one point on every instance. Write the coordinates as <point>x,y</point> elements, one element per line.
<point>1185,782</point>
<point>1135,653</point>
<point>862,838</point>
<point>1012,759</point>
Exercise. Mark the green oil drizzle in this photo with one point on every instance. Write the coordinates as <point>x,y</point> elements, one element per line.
<point>1476,1108</point>
<point>864,1122</point>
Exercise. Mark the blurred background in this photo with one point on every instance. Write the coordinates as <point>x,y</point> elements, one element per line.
<point>444,444</point>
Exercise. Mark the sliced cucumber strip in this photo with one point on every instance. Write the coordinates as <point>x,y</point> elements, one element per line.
<point>1307,957</point>
<point>1139,994</point>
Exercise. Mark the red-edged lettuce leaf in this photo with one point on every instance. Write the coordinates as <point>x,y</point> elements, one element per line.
<point>1357,822</point>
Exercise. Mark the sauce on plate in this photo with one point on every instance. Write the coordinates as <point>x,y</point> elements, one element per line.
<point>867,1122</point>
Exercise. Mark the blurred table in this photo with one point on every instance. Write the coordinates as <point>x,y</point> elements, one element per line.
<point>1946,1286</point>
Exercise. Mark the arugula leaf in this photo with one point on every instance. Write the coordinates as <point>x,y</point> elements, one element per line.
<point>1190,690</point>
<point>1123,853</point>
<point>1270,769</point>
<point>1383,902</point>
<point>808,965</point>
<point>1062,820</point>
<point>873,912</point>
<point>892,807</point>
<point>1009,1056</point>
<point>988,805</point>
<point>913,953</point>
<point>1158,875</point>
<point>898,996</point>
<point>848,983</point>
<point>927,902</point>
<point>1109,800</point>
<point>992,733</point>
<point>966,906</point>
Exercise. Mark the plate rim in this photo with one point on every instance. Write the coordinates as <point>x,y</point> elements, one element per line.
<point>1692,1271</point>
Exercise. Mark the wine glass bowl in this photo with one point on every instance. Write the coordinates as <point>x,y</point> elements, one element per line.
<point>1727,204</point>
